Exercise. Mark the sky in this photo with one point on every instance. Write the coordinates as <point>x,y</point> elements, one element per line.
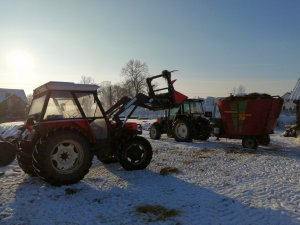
<point>215,44</point>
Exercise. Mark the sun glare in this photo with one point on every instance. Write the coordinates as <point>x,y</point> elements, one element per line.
<point>21,62</point>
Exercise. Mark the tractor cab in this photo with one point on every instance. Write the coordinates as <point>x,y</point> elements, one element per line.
<point>68,104</point>
<point>190,107</point>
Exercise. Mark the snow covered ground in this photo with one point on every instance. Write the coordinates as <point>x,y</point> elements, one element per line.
<point>213,182</point>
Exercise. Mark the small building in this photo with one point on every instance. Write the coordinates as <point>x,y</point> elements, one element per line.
<point>289,107</point>
<point>13,105</point>
<point>295,97</point>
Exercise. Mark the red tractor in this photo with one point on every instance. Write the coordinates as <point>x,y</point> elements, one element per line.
<point>67,126</point>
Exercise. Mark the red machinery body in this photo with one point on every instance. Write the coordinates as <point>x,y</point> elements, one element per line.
<point>247,116</point>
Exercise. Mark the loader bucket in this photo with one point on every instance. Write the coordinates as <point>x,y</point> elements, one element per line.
<point>162,93</point>
<point>7,153</point>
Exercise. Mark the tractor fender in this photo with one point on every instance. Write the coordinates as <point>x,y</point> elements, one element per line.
<point>81,126</point>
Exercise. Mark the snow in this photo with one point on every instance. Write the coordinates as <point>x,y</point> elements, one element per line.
<point>218,182</point>
<point>10,130</point>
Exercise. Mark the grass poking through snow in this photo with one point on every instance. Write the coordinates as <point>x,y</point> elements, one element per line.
<point>159,212</point>
<point>168,170</point>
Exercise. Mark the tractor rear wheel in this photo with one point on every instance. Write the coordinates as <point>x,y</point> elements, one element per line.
<point>249,142</point>
<point>155,131</point>
<point>182,130</point>
<point>62,157</point>
<point>135,155</point>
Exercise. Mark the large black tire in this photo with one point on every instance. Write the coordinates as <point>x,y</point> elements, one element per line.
<point>182,130</point>
<point>155,131</point>
<point>62,157</point>
<point>250,142</point>
<point>7,153</point>
<point>25,163</point>
<point>135,155</point>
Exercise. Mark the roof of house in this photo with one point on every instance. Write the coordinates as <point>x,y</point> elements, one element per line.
<point>295,95</point>
<point>5,93</point>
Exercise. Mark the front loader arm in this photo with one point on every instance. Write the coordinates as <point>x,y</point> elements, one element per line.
<point>158,98</point>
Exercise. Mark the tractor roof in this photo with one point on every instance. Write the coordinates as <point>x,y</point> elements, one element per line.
<point>65,86</point>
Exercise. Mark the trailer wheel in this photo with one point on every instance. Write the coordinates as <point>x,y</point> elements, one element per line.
<point>25,163</point>
<point>62,157</point>
<point>182,130</point>
<point>135,155</point>
<point>7,153</point>
<point>249,142</point>
<point>154,131</point>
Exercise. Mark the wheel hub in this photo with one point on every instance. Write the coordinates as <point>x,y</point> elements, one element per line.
<point>181,130</point>
<point>65,156</point>
<point>135,153</point>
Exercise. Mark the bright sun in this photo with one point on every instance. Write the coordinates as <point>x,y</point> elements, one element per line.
<point>21,62</point>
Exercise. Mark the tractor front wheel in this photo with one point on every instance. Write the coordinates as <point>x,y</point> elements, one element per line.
<point>135,155</point>
<point>154,131</point>
<point>62,157</point>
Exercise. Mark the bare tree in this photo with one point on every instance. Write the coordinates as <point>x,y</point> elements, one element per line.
<point>105,94</point>
<point>87,80</point>
<point>239,90</point>
<point>135,73</point>
<point>118,91</point>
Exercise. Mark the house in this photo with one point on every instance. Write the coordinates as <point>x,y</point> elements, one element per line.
<point>295,97</point>
<point>13,104</point>
<point>288,105</point>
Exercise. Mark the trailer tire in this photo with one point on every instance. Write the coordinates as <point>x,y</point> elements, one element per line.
<point>155,131</point>
<point>249,142</point>
<point>182,130</point>
<point>62,157</point>
<point>135,155</point>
